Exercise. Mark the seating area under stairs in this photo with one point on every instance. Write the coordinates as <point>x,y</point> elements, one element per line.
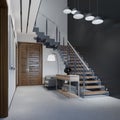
<point>90,84</point>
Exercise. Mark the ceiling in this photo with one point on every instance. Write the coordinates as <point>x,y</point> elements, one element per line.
<point>25,11</point>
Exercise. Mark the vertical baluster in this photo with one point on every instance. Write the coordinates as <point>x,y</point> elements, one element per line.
<point>46,27</point>
<point>84,81</point>
<point>74,64</point>
<point>59,36</point>
<point>63,41</point>
<point>67,55</point>
<point>56,34</point>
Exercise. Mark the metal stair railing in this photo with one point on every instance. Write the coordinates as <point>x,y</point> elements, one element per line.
<point>85,67</point>
<point>78,56</point>
<point>65,59</point>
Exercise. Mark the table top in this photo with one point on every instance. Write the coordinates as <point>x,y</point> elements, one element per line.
<point>67,77</point>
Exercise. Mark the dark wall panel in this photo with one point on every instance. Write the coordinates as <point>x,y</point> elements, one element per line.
<point>100,47</point>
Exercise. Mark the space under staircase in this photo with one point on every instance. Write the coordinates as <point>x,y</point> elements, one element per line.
<point>90,84</point>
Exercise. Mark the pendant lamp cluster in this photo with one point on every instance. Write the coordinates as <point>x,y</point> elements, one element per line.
<point>88,17</point>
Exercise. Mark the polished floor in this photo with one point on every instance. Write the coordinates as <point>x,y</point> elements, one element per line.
<point>38,103</point>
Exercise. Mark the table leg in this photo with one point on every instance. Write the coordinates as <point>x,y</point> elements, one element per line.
<point>78,89</point>
<point>56,84</point>
<point>70,86</point>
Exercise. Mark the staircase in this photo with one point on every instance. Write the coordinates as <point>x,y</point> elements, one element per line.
<point>44,39</point>
<point>90,84</point>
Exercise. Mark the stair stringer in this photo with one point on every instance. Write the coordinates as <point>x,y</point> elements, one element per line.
<point>44,39</point>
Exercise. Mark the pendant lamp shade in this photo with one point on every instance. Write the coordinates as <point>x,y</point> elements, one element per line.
<point>74,11</point>
<point>67,11</point>
<point>89,17</point>
<point>78,15</point>
<point>97,21</point>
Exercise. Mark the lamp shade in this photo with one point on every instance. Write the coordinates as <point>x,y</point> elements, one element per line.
<point>89,17</point>
<point>67,11</point>
<point>78,15</point>
<point>51,57</point>
<point>97,21</point>
<point>74,11</point>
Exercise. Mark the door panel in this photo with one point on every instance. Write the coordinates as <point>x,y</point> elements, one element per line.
<point>30,64</point>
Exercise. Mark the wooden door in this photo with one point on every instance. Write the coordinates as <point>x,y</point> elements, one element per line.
<point>30,64</point>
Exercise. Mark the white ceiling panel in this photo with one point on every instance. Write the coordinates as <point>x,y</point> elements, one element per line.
<point>15,9</point>
<point>33,13</point>
<point>25,5</point>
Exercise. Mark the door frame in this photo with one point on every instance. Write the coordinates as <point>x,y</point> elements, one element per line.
<point>3,59</point>
<point>16,47</point>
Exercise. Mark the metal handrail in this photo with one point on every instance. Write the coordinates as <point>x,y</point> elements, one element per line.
<point>78,56</point>
<point>85,66</point>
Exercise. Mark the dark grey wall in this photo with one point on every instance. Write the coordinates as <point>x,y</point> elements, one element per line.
<point>100,47</point>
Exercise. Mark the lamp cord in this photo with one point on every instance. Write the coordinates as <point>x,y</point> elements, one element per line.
<point>89,6</point>
<point>78,5</point>
<point>97,7</point>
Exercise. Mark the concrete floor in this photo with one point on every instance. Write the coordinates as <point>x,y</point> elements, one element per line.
<point>37,103</point>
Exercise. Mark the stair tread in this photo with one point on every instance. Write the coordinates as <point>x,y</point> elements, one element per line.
<point>72,65</point>
<point>91,81</point>
<point>81,72</point>
<point>86,72</point>
<point>95,92</point>
<point>94,86</point>
<point>88,77</point>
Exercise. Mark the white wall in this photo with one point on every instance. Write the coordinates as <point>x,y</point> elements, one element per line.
<point>12,40</point>
<point>11,60</point>
<point>22,37</point>
<point>53,11</point>
<point>52,67</point>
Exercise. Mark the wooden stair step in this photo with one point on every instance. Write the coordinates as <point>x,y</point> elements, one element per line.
<point>76,73</point>
<point>72,60</point>
<point>73,56</point>
<point>78,70</point>
<point>94,87</point>
<point>101,92</point>
<point>68,94</point>
<point>88,77</point>
<point>88,73</point>
<point>68,54</point>
<point>78,65</point>
<point>75,69</point>
<point>90,82</point>
<point>81,71</point>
